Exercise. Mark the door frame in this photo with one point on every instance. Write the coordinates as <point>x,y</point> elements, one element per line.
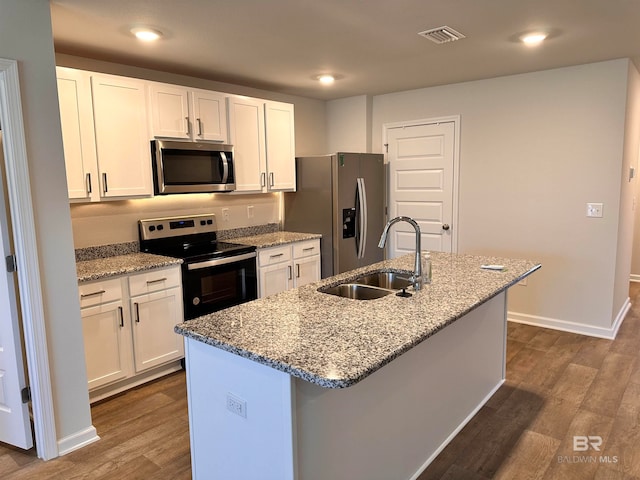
<point>455,119</point>
<point>26,252</point>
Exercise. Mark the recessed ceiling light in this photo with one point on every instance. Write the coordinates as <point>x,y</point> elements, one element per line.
<point>533,39</point>
<point>326,79</point>
<point>146,34</point>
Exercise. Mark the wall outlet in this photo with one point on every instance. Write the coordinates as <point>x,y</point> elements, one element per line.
<point>249,211</point>
<point>594,210</point>
<point>236,405</point>
<point>225,214</point>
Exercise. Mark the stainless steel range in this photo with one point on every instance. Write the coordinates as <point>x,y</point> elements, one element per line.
<point>215,275</point>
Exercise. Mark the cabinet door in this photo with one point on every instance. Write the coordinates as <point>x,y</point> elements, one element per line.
<point>307,270</point>
<point>209,116</point>
<point>275,279</point>
<point>122,139</point>
<point>246,132</point>
<point>169,111</point>
<point>76,118</point>
<point>154,316</point>
<point>281,149</point>
<point>107,343</point>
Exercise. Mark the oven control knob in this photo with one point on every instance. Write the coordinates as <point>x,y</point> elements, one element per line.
<point>152,228</point>
<point>160,227</point>
<point>202,222</point>
<point>209,222</point>
<point>196,300</point>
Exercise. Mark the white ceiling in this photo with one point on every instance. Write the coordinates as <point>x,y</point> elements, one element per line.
<point>373,45</point>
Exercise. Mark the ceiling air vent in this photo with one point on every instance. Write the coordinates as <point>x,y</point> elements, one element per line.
<point>441,35</point>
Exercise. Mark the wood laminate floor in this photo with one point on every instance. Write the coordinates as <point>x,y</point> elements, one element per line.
<point>559,385</point>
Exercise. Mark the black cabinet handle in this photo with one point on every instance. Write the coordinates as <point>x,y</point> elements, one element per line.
<point>137,308</point>
<point>121,317</point>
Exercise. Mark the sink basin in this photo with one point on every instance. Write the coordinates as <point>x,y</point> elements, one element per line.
<point>356,291</point>
<point>390,280</point>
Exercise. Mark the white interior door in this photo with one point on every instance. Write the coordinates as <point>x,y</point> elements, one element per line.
<point>15,427</point>
<point>421,185</point>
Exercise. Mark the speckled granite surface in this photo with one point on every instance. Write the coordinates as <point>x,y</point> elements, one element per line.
<point>102,251</point>
<point>121,265</point>
<point>247,231</point>
<point>275,238</point>
<point>336,342</point>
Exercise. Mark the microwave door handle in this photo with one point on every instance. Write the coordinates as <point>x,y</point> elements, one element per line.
<point>225,167</point>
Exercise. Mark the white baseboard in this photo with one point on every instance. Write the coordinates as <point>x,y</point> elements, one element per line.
<point>456,431</point>
<point>634,278</point>
<point>573,327</point>
<point>77,440</point>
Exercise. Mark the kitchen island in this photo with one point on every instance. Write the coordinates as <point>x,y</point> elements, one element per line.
<point>306,385</point>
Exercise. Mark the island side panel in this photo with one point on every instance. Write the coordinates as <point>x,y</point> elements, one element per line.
<point>225,445</point>
<point>395,422</point>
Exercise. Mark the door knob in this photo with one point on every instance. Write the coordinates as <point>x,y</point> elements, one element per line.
<point>445,226</point>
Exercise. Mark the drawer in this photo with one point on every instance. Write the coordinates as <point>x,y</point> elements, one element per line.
<point>306,248</point>
<point>102,291</point>
<point>154,280</point>
<point>269,256</point>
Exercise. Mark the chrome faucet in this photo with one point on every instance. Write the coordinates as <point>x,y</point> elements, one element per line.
<point>416,279</point>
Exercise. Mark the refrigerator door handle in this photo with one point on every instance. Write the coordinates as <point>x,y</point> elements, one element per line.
<point>362,217</point>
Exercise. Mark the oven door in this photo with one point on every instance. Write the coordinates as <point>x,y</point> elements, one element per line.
<point>212,285</point>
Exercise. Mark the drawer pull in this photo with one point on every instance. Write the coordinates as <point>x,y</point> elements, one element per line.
<point>308,249</point>
<point>276,255</point>
<point>121,317</point>
<point>150,282</point>
<point>290,273</point>
<point>297,270</point>
<point>92,294</point>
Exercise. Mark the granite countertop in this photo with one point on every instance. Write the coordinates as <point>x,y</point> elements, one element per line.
<point>274,239</point>
<point>336,342</point>
<point>100,268</point>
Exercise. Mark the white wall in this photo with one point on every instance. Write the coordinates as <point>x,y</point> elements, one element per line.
<point>25,35</point>
<point>535,148</point>
<point>349,124</point>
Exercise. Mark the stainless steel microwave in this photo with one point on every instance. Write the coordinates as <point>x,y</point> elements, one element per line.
<point>192,167</point>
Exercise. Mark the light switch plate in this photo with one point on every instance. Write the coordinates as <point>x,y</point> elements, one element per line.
<point>594,210</point>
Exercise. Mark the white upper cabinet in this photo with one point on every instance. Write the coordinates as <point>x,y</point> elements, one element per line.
<point>210,115</point>
<point>189,114</point>
<point>246,132</point>
<point>122,137</point>
<point>263,138</point>
<point>281,146</point>
<point>76,118</point>
<point>169,111</point>
<point>108,122</point>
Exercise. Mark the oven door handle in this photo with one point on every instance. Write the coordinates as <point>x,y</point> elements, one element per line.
<point>220,261</point>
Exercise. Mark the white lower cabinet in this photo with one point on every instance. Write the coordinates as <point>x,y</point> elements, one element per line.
<point>154,316</point>
<point>107,343</point>
<point>127,323</point>
<point>288,266</point>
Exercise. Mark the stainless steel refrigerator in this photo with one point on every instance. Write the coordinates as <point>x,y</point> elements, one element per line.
<point>342,197</point>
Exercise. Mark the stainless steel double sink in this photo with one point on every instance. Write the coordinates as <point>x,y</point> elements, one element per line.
<point>370,286</point>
